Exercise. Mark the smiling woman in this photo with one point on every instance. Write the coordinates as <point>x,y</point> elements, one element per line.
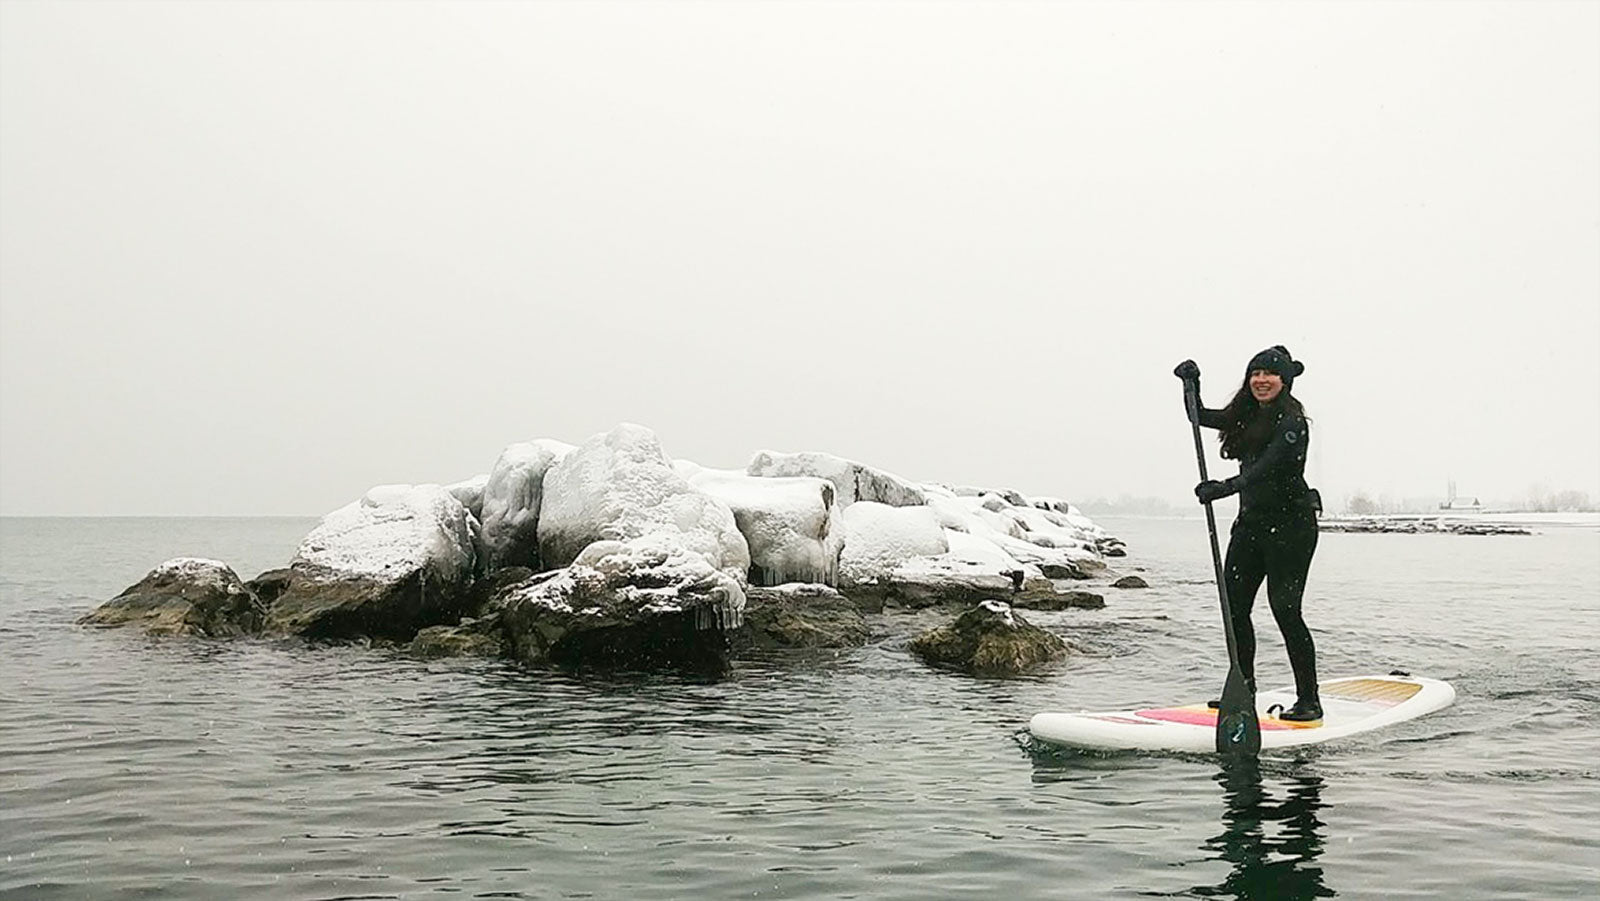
<point>1275,535</point>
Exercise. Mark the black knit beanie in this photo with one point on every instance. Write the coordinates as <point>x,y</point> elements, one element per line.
<point>1276,359</point>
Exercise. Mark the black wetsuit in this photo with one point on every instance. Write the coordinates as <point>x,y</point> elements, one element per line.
<point>1274,538</point>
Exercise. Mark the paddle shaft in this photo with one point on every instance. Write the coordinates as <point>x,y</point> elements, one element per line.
<point>1191,399</point>
<point>1238,730</point>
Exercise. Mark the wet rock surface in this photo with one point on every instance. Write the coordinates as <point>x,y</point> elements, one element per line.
<point>800,615</point>
<point>184,596</point>
<point>991,639</point>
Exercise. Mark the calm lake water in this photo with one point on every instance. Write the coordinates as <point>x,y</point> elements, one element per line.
<point>133,767</point>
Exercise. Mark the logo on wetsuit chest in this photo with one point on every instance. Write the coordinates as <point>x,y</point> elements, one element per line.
<point>1291,437</point>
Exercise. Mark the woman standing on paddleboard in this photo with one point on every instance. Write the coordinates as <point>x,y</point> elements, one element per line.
<point>1275,535</point>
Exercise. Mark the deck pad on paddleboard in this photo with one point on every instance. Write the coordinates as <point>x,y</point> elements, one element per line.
<point>1350,706</point>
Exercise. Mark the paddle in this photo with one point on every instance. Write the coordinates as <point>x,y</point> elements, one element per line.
<point>1238,730</point>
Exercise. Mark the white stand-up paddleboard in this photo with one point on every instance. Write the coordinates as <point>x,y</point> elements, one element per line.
<point>1349,707</point>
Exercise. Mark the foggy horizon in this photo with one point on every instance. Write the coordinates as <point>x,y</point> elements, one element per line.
<point>257,258</point>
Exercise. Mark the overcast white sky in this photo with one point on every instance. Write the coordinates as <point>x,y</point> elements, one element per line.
<point>257,257</point>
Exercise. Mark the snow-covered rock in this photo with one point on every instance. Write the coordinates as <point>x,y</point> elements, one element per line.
<point>400,558</point>
<point>648,601</point>
<point>1035,539</point>
<point>990,549</point>
<point>878,538</point>
<point>512,498</point>
<point>853,481</point>
<point>790,523</point>
<point>184,596</point>
<point>621,485</point>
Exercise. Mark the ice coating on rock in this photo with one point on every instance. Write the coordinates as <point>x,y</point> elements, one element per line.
<point>391,531</point>
<point>852,481</point>
<point>650,574</point>
<point>512,498</point>
<point>470,493</point>
<point>621,485</point>
<point>790,523</point>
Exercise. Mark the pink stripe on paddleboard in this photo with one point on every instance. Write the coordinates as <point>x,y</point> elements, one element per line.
<point>1205,716</point>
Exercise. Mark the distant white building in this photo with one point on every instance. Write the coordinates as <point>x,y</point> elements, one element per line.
<point>1457,504</point>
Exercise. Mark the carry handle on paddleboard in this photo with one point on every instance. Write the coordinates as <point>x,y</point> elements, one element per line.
<point>1238,730</point>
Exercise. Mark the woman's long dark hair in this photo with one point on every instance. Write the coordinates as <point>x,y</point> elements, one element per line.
<point>1249,423</point>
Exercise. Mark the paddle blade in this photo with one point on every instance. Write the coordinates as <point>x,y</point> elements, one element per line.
<point>1238,730</point>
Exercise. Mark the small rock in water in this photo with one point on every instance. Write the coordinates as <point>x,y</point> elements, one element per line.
<point>1130,582</point>
<point>990,640</point>
<point>473,638</point>
<point>184,596</point>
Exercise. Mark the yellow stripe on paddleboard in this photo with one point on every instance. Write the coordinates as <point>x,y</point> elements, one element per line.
<point>1372,691</point>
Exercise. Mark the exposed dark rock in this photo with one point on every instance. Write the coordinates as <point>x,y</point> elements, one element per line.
<point>1130,582</point>
<point>471,638</point>
<point>1111,547</point>
<point>1058,600</point>
<point>488,593</point>
<point>800,615</point>
<point>326,604</point>
<point>184,596</point>
<point>990,639</point>
<point>1060,570</point>
<point>914,589</point>
<point>924,590</point>
<point>270,585</point>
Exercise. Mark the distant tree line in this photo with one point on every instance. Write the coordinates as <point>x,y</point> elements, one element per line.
<point>1128,505</point>
<point>1538,500</point>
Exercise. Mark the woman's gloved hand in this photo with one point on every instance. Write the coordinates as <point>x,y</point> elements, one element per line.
<point>1212,490</point>
<point>1188,370</point>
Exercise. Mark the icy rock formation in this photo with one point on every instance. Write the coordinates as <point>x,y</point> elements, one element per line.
<point>992,548</point>
<point>184,596</point>
<point>853,481</point>
<point>470,493</point>
<point>991,640</point>
<point>401,558</point>
<point>790,523</point>
<point>621,485</point>
<point>800,615</point>
<point>1039,541</point>
<point>649,601</point>
<point>511,502</point>
<point>878,538</point>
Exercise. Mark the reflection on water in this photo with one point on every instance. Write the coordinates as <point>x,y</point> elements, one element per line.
<point>1272,842</point>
